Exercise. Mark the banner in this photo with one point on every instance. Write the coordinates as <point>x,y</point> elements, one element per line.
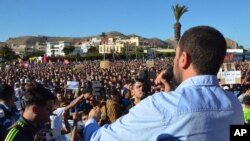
<point>150,64</point>
<point>72,85</point>
<point>230,77</point>
<point>79,67</point>
<point>104,64</point>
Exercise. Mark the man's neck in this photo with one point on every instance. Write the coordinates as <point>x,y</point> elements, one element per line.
<point>28,116</point>
<point>189,72</point>
<point>136,100</point>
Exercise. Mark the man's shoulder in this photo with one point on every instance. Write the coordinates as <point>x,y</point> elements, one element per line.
<point>18,132</point>
<point>14,134</point>
<point>4,113</point>
<point>162,101</point>
<point>171,96</point>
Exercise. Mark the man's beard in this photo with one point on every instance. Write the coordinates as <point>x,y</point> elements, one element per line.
<point>177,75</point>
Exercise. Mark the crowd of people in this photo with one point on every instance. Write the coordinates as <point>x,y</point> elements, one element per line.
<point>122,87</point>
<point>135,101</point>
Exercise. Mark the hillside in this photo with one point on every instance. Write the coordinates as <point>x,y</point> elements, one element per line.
<point>231,44</point>
<point>158,42</point>
<point>31,40</point>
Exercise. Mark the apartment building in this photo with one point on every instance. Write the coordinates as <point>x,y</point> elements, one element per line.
<point>56,48</point>
<point>109,48</point>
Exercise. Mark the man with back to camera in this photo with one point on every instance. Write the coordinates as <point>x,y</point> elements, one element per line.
<point>8,111</point>
<point>38,107</point>
<point>198,109</point>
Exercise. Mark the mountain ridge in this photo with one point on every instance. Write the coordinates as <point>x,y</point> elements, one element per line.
<point>31,40</point>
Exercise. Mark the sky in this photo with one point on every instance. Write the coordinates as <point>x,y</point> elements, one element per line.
<point>147,18</point>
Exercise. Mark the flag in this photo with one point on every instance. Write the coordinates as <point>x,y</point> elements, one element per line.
<point>26,64</point>
<point>44,58</point>
<point>65,61</point>
<point>19,60</point>
<point>228,58</point>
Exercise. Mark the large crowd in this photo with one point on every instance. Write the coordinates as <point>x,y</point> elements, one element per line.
<point>123,87</point>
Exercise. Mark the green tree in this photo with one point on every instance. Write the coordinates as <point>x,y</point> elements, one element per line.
<point>93,50</point>
<point>69,49</point>
<point>178,11</point>
<point>35,53</point>
<point>7,53</point>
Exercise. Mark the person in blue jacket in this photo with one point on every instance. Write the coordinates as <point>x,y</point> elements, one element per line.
<point>8,111</point>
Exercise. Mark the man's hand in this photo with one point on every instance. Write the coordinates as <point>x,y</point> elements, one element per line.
<point>75,118</point>
<point>160,80</point>
<point>160,77</point>
<point>87,95</point>
<point>95,113</point>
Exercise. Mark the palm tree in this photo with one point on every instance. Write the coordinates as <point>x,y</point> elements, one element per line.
<point>178,11</point>
<point>103,35</point>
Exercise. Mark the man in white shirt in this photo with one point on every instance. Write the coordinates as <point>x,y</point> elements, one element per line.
<point>60,115</point>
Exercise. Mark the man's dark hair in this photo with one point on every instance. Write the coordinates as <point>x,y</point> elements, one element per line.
<point>246,100</point>
<point>6,92</point>
<point>136,79</point>
<point>206,48</point>
<point>36,94</point>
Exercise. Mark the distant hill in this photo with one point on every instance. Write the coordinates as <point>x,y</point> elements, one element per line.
<point>231,44</point>
<point>31,40</point>
<point>115,34</point>
<point>2,43</point>
<point>158,41</point>
<point>134,35</point>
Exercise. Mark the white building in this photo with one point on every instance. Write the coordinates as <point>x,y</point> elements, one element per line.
<point>40,46</point>
<point>95,41</point>
<point>82,47</point>
<point>21,49</point>
<point>131,40</point>
<point>107,48</point>
<point>56,48</point>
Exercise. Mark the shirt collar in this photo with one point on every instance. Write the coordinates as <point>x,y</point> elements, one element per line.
<point>204,80</point>
<point>28,123</point>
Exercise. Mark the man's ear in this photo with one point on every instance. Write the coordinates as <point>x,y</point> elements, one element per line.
<point>34,109</point>
<point>184,60</point>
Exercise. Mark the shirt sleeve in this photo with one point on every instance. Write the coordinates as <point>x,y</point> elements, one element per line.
<point>90,127</point>
<point>145,117</point>
<point>14,135</point>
